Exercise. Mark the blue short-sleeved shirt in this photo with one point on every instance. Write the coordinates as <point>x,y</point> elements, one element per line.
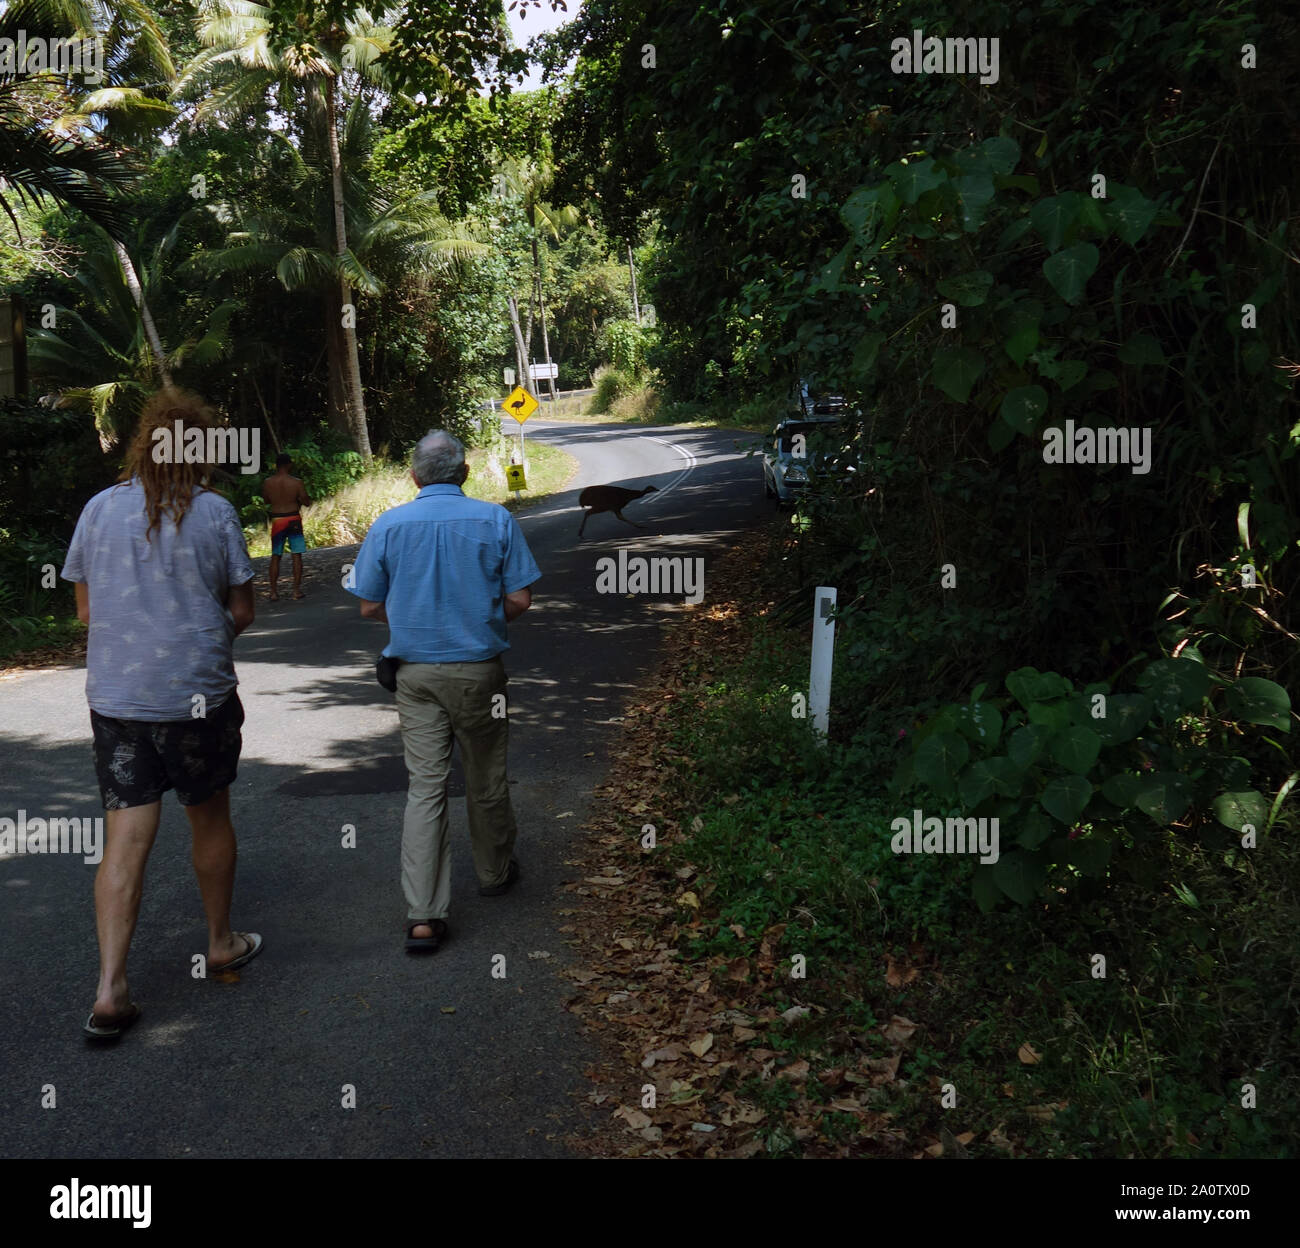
<point>159,628</point>
<point>442,565</point>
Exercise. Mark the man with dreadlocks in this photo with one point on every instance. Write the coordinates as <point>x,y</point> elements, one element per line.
<point>164,582</point>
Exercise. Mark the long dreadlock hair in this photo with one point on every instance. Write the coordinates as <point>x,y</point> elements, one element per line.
<point>168,487</point>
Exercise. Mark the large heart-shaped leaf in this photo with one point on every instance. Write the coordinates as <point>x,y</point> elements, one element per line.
<point>1260,701</point>
<point>1235,810</point>
<point>1164,796</point>
<point>1126,715</point>
<point>976,191</point>
<point>1024,407</point>
<point>1069,270</point>
<point>869,208</point>
<point>975,785</point>
<point>1175,685</point>
<point>1123,789</point>
<point>1130,212</point>
<point>1026,744</point>
<point>1032,829</point>
<point>955,371</point>
<point>1020,875</point>
<point>938,760</point>
<point>1003,153</point>
<point>1076,749</point>
<point>1065,797</point>
<point>982,722</point>
<point>1051,217</point>
<point>913,178</point>
<point>1028,685</point>
<point>968,290</point>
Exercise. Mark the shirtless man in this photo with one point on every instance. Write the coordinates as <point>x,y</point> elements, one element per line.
<point>286,496</point>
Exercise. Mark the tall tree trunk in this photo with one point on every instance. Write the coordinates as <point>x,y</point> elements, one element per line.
<point>146,317</point>
<point>541,310</point>
<point>521,352</point>
<point>546,343</point>
<point>335,353</point>
<point>631,268</point>
<point>350,365</point>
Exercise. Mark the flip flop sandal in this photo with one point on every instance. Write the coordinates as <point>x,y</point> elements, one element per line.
<point>110,1028</point>
<point>254,948</point>
<point>425,943</point>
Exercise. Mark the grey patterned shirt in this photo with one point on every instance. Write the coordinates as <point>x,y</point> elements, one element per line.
<point>159,629</point>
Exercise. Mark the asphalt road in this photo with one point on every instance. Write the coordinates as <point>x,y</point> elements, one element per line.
<point>445,1060</point>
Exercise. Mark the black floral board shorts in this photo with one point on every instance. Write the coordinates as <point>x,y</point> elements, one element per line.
<point>137,761</point>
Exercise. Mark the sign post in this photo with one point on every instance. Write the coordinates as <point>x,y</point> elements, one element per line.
<point>521,405</point>
<point>823,651</point>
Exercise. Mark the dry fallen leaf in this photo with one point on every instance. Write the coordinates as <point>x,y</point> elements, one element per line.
<point>689,899</point>
<point>669,1053</point>
<point>635,1119</point>
<point>1029,1055</point>
<point>898,1030</point>
<point>702,1045</point>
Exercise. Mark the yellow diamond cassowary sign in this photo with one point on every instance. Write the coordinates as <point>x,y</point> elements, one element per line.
<point>515,477</point>
<point>520,404</point>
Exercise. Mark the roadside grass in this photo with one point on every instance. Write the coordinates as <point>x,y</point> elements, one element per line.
<point>1043,1054</point>
<point>549,470</point>
<point>345,516</point>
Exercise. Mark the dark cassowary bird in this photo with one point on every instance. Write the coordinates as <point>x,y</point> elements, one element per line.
<point>613,498</point>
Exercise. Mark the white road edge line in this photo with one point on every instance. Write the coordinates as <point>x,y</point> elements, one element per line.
<point>691,464</point>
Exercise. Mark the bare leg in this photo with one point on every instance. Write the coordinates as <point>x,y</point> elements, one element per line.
<point>273,575</point>
<point>214,867</point>
<point>297,577</point>
<point>129,836</point>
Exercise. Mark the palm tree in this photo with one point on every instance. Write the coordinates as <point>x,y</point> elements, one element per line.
<point>49,148</point>
<point>293,236</point>
<point>63,140</point>
<point>99,354</point>
<point>245,60</point>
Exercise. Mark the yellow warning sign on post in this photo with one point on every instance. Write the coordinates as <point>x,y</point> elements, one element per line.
<point>520,404</point>
<point>515,477</point>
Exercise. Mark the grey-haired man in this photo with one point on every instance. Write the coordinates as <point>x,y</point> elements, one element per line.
<point>447,573</point>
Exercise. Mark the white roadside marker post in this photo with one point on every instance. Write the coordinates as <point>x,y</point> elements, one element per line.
<point>823,652</point>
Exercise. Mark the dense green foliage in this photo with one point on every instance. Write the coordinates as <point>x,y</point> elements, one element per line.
<point>1102,238</point>
<point>975,266</point>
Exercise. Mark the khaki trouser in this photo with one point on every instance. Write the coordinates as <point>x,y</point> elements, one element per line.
<point>436,702</point>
